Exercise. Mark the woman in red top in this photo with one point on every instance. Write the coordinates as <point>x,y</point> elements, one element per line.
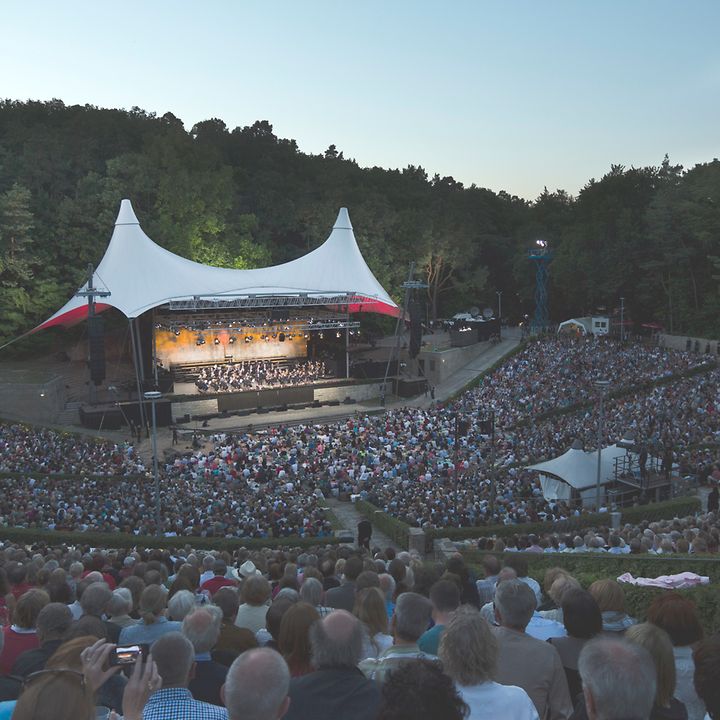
<point>22,635</point>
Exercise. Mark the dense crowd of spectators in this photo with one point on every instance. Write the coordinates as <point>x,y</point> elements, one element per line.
<point>406,461</point>
<point>258,375</point>
<point>336,633</point>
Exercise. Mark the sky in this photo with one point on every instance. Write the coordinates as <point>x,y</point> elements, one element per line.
<point>512,95</point>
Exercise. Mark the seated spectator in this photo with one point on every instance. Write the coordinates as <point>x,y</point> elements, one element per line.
<point>22,634</point>
<point>202,628</point>
<point>173,654</point>
<point>486,586</point>
<point>69,656</point>
<point>336,689</point>
<point>553,606</point>
<point>153,623</point>
<point>445,599</point>
<point>371,611</point>
<point>706,658</point>
<point>618,679</point>
<point>53,623</point>
<point>583,621</point>
<point>294,638</point>
<point>610,598</point>
<point>311,592</point>
<point>94,603</point>
<point>218,580</point>
<point>233,640</point>
<point>677,616</point>
<point>519,564</point>
<point>269,636</point>
<point>411,619</point>
<point>468,588</point>
<point>524,661</point>
<point>657,643</point>
<point>420,691</point>
<point>255,593</point>
<point>257,686</point>
<point>119,608</point>
<point>180,605</point>
<point>343,597</point>
<point>468,651</point>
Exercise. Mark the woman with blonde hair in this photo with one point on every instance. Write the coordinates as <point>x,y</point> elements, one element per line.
<point>610,598</point>
<point>468,651</point>
<point>371,610</point>
<point>657,643</point>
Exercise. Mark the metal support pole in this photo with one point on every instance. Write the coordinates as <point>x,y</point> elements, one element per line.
<point>153,397</point>
<point>141,366</point>
<point>602,385</point>
<point>141,408</point>
<point>622,319</point>
<point>347,349</point>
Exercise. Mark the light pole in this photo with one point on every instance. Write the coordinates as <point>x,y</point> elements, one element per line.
<point>153,396</point>
<point>602,386</point>
<point>499,295</point>
<point>622,320</point>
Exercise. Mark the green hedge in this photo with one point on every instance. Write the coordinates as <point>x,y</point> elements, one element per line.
<point>588,568</point>
<point>395,529</point>
<point>30,536</point>
<point>678,507</point>
<point>398,530</point>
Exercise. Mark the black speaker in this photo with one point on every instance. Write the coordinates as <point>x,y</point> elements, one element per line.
<point>281,337</point>
<point>415,329</point>
<point>96,345</point>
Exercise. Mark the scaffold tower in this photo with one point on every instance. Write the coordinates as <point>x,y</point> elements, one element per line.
<point>541,255</point>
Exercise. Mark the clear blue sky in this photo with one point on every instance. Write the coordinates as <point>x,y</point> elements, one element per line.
<point>510,95</point>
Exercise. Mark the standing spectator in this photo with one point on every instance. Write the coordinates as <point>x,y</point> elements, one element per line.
<point>336,689</point>
<point>468,651</point>
<point>445,599</point>
<point>677,616</point>
<point>618,679</point>
<point>257,686</point>
<point>524,661</point>
<point>713,500</point>
<point>173,654</point>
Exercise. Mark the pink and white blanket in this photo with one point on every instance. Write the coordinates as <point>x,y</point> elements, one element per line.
<point>667,582</point>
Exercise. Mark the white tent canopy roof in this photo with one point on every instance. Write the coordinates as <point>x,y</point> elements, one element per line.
<point>579,468</point>
<point>140,275</point>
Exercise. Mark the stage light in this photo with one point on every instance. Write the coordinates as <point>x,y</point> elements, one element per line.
<point>248,338</point>
<point>176,331</point>
<point>337,334</point>
<point>322,336</point>
<point>307,335</point>
<point>200,340</point>
<point>232,340</point>
<point>217,341</point>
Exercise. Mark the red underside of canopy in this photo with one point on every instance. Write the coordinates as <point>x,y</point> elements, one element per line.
<point>71,317</point>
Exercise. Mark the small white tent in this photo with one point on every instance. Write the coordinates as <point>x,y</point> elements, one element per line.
<point>577,469</point>
<point>140,275</point>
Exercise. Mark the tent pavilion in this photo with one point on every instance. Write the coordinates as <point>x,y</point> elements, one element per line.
<point>576,470</point>
<point>140,275</point>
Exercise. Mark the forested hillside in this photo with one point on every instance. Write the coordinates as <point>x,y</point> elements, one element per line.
<point>245,198</point>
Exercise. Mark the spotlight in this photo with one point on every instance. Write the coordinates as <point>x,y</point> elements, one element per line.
<point>307,335</point>
<point>217,341</point>
<point>176,331</point>
<point>337,334</point>
<point>232,340</point>
<point>200,340</point>
<point>322,336</point>
<point>248,338</point>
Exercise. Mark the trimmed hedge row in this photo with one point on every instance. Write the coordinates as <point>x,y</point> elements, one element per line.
<point>397,530</point>
<point>588,568</point>
<point>30,536</point>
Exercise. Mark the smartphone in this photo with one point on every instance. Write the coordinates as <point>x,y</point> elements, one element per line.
<point>125,655</point>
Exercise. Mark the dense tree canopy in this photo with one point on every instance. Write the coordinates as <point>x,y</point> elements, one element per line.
<point>246,198</point>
